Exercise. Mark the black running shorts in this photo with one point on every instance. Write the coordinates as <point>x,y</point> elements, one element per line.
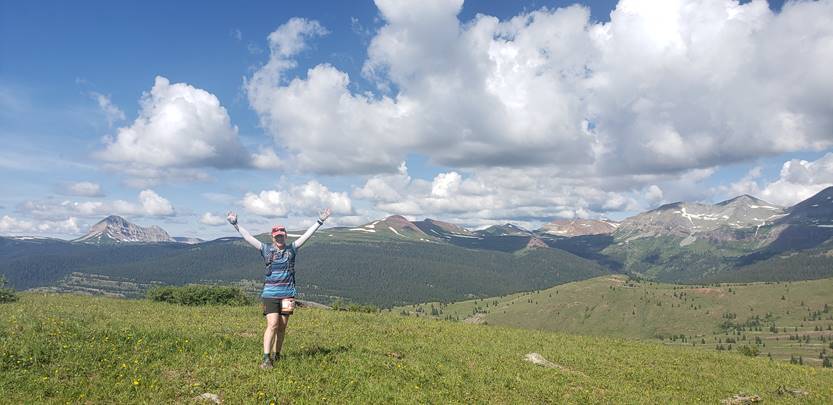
<point>273,305</point>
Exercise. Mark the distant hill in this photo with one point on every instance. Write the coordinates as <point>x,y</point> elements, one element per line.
<point>188,240</point>
<point>29,263</point>
<point>758,314</point>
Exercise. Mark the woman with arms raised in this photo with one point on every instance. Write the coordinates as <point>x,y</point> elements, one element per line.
<point>278,294</point>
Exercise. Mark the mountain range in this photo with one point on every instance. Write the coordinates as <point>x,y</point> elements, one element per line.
<point>692,242</point>
<point>395,261</point>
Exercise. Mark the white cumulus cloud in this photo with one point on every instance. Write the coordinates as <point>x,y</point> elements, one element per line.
<point>662,87</point>
<point>307,199</point>
<point>148,203</point>
<point>653,194</point>
<point>797,181</point>
<point>84,189</point>
<point>267,160</point>
<point>179,126</point>
<point>212,219</point>
<point>13,226</point>
<point>496,195</point>
<point>154,205</point>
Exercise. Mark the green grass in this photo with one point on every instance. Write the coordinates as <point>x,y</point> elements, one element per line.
<point>706,316</point>
<point>65,348</point>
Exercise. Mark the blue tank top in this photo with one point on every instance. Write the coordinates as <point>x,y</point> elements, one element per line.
<point>279,274</point>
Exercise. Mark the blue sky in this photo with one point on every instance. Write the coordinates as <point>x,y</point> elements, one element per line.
<point>480,113</point>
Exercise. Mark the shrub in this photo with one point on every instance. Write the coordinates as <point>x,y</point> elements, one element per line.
<point>6,294</point>
<point>368,308</point>
<point>199,295</point>
<point>750,351</point>
<point>340,305</point>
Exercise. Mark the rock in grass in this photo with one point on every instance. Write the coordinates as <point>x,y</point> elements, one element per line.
<point>539,360</point>
<point>395,355</point>
<point>796,392</point>
<point>536,358</point>
<point>208,397</point>
<point>741,399</point>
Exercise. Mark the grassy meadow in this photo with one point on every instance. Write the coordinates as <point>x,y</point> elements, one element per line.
<point>76,349</point>
<point>784,320</point>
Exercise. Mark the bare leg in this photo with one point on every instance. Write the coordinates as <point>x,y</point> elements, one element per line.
<point>280,333</point>
<point>271,330</point>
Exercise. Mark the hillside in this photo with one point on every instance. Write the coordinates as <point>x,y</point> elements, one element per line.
<point>381,268</point>
<point>784,265</point>
<point>29,263</point>
<point>705,315</point>
<point>61,348</point>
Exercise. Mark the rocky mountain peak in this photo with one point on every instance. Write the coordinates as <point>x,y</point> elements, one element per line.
<point>433,226</point>
<point>744,199</point>
<point>688,218</point>
<point>394,219</point>
<point>115,220</point>
<point>505,230</point>
<point>534,243</point>
<point>115,229</point>
<point>579,227</point>
<point>400,224</point>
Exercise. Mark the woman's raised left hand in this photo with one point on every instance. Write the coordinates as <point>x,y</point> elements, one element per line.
<point>324,214</point>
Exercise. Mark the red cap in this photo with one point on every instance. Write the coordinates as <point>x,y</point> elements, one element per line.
<point>278,229</point>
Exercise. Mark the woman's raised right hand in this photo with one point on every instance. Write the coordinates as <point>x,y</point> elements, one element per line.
<point>232,218</point>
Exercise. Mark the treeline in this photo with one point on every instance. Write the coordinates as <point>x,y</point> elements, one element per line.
<point>391,274</point>
<point>42,262</point>
<point>384,274</point>
<point>805,266</point>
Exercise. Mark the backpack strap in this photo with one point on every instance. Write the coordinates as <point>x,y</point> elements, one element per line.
<point>273,253</point>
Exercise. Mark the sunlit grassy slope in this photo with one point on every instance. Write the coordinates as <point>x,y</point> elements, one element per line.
<point>705,315</point>
<point>63,348</point>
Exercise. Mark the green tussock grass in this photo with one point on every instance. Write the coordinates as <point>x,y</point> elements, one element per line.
<point>65,348</point>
